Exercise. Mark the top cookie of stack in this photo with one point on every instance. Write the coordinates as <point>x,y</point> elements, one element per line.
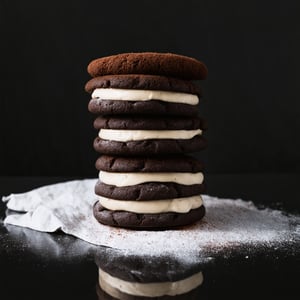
<point>145,83</point>
<point>147,106</point>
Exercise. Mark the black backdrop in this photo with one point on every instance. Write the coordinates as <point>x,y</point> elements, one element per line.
<point>251,98</point>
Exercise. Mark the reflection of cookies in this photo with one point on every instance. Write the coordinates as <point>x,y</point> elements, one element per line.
<point>146,277</point>
<point>145,268</point>
<point>192,295</point>
<point>166,64</point>
<point>146,221</point>
<point>117,288</point>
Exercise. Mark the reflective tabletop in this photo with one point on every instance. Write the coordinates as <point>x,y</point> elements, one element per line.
<point>36,265</point>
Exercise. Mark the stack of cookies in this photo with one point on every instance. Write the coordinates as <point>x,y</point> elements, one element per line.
<point>146,108</point>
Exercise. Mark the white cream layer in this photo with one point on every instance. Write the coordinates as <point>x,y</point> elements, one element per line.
<point>139,135</point>
<point>128,179</point>
<point>178,205</point>
<point>144,95</point>
<point>113,285</point>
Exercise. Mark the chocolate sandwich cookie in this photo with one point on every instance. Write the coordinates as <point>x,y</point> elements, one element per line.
<point>149,190</point>
<point>139,192</point>
<point>132,135</point>
<point>146,221</point>
<point>142,94</point>
<point>152,63</point>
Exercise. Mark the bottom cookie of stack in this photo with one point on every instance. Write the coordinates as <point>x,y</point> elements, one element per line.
<point>149,193</point>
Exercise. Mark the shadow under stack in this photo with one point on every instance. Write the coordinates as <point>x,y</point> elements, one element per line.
<point>146,107</point>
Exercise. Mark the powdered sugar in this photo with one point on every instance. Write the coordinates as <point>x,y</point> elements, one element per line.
<point>228,223</point>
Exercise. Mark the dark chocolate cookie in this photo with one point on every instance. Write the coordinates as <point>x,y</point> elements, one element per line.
<point>150,147</point>
<point>149,191</point>
<point>146,221</point>
<point>143,82</point>
<point>149,123</point>
<point>170,163</point>
<point>151,107</point>
<point>152,63</point>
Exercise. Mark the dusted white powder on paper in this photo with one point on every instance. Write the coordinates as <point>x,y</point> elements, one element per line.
<point>228,223</point>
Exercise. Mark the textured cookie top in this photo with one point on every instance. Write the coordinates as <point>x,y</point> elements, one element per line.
<point>149,123</point>
<point>146,221</point>
<point>149,108</point>
<point>141,164</point>
<point>142,82</point>
<point>150,147</point>
<point>151,63</point>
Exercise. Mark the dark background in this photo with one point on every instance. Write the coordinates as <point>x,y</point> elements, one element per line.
<point>251,100</point>
<point>251,96</point>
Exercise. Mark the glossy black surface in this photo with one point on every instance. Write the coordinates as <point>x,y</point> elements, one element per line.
<point>35,265</point>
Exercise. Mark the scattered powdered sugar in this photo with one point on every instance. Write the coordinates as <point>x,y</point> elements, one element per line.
<point>228,223</point>
<point>238,221</point>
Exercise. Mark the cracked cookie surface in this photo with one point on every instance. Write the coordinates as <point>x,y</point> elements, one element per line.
<point>146,221</point>
<point>152,63</point>
<point>151,147</point>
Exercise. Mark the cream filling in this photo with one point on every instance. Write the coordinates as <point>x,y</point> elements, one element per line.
<point>178,205</point>
<point>113,286</point>
<point>128,179</point>
<point>144,95</point>
<point>138,135</point>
